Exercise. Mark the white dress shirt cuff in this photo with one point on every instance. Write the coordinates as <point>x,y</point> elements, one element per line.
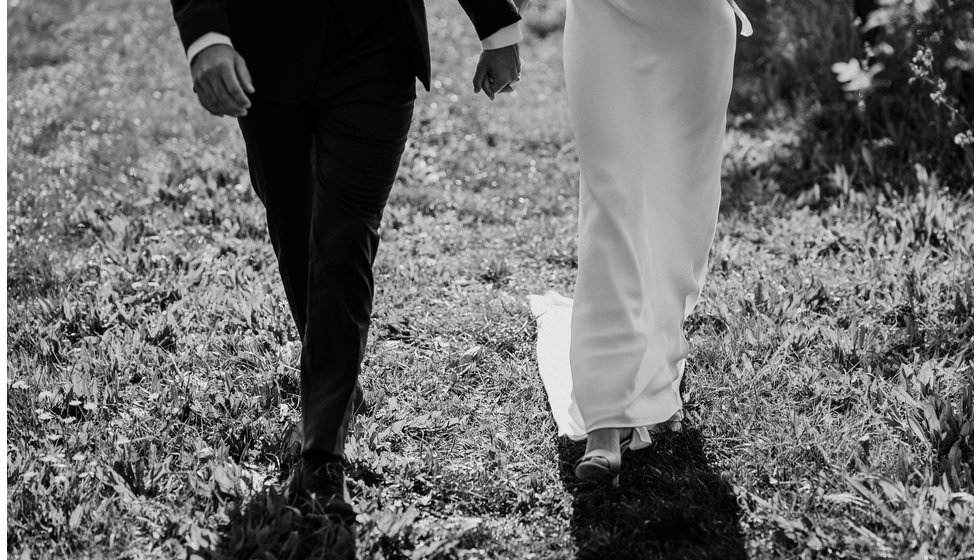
<point>209,39</point>
<point>505,37</point>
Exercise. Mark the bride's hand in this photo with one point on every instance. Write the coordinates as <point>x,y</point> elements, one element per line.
<point>497,70</point>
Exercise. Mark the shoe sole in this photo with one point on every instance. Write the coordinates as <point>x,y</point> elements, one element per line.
<point>591,472</point>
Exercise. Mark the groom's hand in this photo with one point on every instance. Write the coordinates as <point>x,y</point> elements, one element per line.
<point>497,70</point>
<point>221,81</point>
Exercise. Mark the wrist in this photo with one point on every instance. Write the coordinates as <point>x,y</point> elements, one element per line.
<point>209,39</point>
<point>504,37</point>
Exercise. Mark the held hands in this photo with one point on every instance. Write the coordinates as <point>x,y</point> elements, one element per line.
<point>497,71</point>
<point>221,81</point>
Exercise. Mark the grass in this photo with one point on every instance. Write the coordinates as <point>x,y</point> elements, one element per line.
<point>152,362</point>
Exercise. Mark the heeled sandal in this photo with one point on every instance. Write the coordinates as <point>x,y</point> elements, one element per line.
<point>672,424</point>
<point>602,465</point>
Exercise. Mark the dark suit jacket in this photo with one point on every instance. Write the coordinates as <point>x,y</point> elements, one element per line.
<point>282,41</point>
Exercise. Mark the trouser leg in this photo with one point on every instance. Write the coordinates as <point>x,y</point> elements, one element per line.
<point>362,114</point>
<point>279,140</point>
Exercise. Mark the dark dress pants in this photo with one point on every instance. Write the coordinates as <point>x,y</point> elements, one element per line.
<point>323,170</point>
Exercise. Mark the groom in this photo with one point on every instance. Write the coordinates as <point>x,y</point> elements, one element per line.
<point>324,92</point>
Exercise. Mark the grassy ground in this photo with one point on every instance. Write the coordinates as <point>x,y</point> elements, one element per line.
<point>152,362</point>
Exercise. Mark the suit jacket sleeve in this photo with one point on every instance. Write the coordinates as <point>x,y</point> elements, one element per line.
<point>196,17</point>
<point>489,16</point>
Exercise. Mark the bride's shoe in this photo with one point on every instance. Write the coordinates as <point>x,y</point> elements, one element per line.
<point>603,465</point>
<point>672,424</point>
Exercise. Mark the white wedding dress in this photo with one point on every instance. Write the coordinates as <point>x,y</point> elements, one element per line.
<point>648,87</point>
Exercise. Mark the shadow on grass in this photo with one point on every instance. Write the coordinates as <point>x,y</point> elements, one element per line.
<point>670,504</point>
<point>267,527</point>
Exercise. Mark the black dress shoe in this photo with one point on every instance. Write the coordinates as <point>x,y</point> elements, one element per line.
<point>320,488</point>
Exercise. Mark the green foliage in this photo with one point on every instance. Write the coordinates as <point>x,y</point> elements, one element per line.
<point>915,88</point>
<point>878,100</point>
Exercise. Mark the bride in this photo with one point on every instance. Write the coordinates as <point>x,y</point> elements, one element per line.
<point>648,87</point>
